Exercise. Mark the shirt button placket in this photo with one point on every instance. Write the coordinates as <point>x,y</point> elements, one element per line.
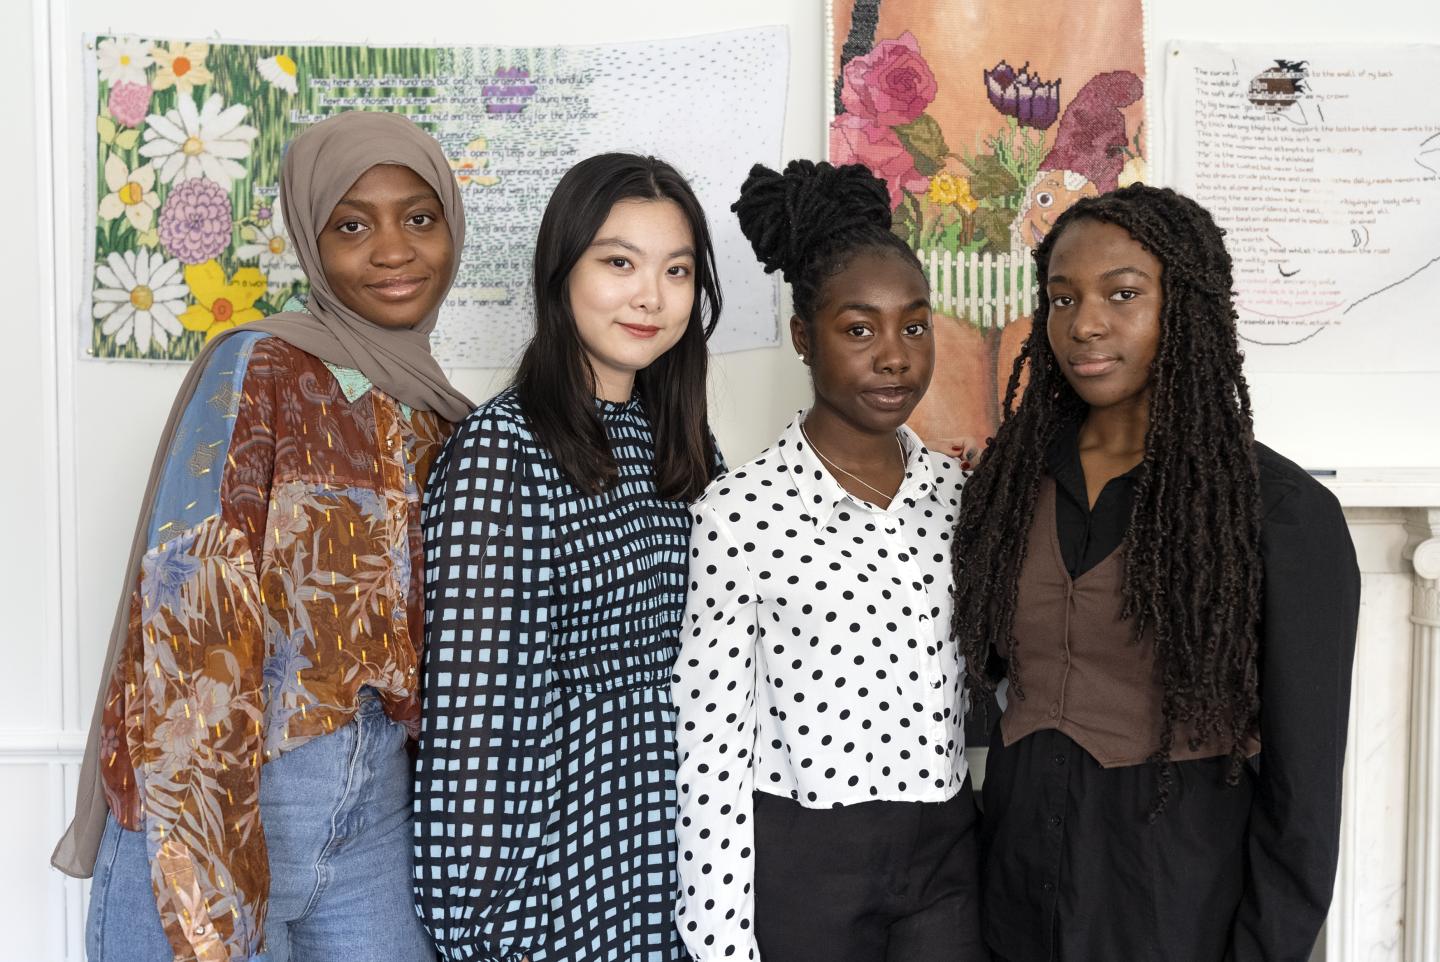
<point>1056,796</point>
<point>920,603</point>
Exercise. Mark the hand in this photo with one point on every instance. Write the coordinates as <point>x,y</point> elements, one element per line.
<point>966,450</point>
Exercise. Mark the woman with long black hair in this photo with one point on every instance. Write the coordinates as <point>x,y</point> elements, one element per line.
<point>555,576</point>
<point>1174,607</point>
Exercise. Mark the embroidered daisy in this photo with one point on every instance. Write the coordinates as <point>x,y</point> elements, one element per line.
<point>281,71</point>
<point>131,193</point>
<point>139,295</point>
<point>182,66</point>
<point>123,59</point>
<point>188,142</point>
<point>271,244</point>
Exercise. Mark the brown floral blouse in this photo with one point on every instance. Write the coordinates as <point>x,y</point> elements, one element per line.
<point>279,579</point>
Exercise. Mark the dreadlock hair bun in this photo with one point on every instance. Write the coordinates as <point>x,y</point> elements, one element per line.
<point>806,221</point>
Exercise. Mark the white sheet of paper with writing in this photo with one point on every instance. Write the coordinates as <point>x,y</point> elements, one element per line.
<point>1322,162</point>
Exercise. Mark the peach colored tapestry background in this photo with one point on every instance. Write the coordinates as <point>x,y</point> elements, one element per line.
<point>1069,40</point>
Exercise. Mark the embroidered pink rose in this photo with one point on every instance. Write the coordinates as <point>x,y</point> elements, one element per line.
<point>891,85</point>
<point>855,140</point>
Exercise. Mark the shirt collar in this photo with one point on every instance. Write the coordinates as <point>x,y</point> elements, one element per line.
<point>355,385</point>
<point>1062,459</point>
<point>822,495</point>
<point>619,410</point>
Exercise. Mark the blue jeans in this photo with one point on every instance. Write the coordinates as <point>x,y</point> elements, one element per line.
<point>336,814</point>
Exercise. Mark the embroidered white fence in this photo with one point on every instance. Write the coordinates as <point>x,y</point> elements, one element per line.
<point>989,290</point>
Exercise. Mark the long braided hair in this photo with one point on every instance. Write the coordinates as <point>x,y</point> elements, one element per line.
<point>1192,544</point>
<point>811,220</point>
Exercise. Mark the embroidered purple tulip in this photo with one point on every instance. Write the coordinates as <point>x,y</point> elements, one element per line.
<point>1022,95</point>
<point>195,221</point>
<point>510,93</point>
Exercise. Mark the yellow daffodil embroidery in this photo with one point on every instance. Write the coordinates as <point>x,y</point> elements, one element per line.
<point>470,166</point>
<point>946,188</point>
<point>221,304</point>
<point>132,193</point>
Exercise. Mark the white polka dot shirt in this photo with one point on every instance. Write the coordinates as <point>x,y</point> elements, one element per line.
<point>815,664</point>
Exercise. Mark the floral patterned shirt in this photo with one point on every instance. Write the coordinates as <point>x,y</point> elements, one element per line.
<point>276,583</point>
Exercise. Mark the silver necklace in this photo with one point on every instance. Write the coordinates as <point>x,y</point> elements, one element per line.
<point>821,454</point>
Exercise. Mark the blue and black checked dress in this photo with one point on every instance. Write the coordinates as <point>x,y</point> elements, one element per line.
<point>545,787</point>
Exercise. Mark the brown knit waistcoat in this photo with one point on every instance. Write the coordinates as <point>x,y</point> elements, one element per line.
<point>1081,667</point>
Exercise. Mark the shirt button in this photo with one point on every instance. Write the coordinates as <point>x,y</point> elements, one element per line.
<point>1055,710</point>
<point>1054,821</point>
<point>1047,886</point>
<point>1059,759</point>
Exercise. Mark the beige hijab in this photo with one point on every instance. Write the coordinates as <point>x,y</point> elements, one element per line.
<point>320,166</point>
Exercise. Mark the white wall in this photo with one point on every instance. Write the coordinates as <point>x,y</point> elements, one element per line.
<point>82,433</point>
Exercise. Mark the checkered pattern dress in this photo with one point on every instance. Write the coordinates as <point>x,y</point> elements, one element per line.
<point>544,793</point>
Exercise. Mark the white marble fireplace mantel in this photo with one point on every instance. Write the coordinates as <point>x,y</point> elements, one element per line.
<point>1387,892</point>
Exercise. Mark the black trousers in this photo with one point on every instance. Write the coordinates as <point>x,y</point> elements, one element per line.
<point>874,882</point>
<point>1073,870</point>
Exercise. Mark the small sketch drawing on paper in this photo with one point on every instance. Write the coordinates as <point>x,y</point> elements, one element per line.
<point>1390,287</point>
<point>1280,87</point>
<point>1429,149</point>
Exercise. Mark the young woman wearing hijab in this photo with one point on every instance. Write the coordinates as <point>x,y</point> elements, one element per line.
<point>555,527</point>
<point>825,804</point>
<point>1167,597</point>
<point>247,783</point>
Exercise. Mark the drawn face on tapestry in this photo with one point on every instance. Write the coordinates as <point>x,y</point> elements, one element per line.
<point>386,249</point>
<point>1105,298</point>
<point>1049,195</point>
<point>632,290</point>
<point>870,346</point>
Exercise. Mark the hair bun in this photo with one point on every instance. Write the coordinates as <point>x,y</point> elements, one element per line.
<point>789,217</point>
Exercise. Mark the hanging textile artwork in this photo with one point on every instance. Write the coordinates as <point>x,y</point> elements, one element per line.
<point>987,119</point>
<point>186,238</point>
